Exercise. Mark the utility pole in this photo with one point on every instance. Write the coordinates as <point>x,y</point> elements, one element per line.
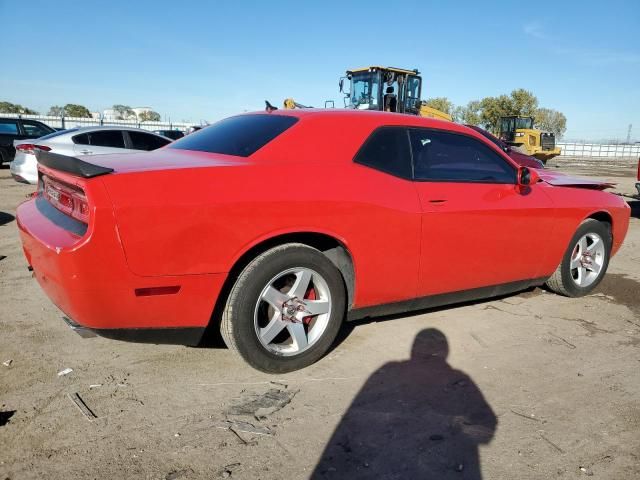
<point>629,134</point>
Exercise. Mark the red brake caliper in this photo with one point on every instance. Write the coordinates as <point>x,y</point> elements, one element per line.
<point>310,295</point>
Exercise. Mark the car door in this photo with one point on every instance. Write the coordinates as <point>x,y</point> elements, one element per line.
<point>9,131</point>
<point>99,142</point>
<point>33,129</point>
<point>479,227</point>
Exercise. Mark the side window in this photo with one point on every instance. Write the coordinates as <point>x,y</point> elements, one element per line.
<point>450,157</point>
<point>35,129</point>
<point>387,149</point>
<point>107,138</point>
<point>146,141</point>
<point>8,127</point>
<point>82,139</point>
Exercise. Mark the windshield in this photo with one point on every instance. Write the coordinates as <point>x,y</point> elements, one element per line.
<point>524,122</point>
<point>365,90</point>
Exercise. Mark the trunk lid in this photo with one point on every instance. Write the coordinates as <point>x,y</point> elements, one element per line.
<point>164,159</point>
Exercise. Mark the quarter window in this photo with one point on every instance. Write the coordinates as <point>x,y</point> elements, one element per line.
<point>450,157</point>
<point>387,149</point>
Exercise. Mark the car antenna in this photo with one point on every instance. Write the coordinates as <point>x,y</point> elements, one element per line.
<point>269,107</point>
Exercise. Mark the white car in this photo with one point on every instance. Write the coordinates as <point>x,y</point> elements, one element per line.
<point>81,141</point>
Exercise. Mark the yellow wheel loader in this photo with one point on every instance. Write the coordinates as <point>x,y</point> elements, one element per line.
<point>518,132</point>
<point>389,89</point>
<point>382,88</point>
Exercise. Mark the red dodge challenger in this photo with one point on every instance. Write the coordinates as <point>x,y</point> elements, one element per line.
<point>275,227</point>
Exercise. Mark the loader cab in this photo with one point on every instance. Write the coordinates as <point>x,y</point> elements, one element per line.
<point>383,89</point>
<point>513,125</point>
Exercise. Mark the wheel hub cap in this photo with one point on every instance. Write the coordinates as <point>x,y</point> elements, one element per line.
<point>293,311</point>
<point>587,259</point>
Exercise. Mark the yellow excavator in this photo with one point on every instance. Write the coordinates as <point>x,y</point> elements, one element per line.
<point>518,132</point>
<point>382,88</point>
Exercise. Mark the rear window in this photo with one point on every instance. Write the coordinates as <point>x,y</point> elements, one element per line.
<point>240,136</point>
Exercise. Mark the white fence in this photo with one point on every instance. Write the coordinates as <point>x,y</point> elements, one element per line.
<point>71,122</point>
<point>599,150</point>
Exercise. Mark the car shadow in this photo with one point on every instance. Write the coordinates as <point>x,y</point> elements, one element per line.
<point>6,218</point>
<point>418,418</point>
<point>635,208</point>
<point>213,339</point>
<point>349,326</point>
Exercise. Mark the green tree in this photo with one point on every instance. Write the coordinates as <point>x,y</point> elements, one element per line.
<point>524,103</point>
<point>440,103</point>
<point>56,111</point>
<point>519,102</point>
<point>79,111</point>
<point>469,114</point>
<point>123,112</point>
<point>149,116</point>
<point>8,107</point>
<point>549,120</point>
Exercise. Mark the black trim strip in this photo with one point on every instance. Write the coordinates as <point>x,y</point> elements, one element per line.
<point>434,301</point>
<point>71,165</point>
<point>190,336</point>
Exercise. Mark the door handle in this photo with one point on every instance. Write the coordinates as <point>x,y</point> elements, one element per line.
<point>86,151</point>
<point>438,201</point>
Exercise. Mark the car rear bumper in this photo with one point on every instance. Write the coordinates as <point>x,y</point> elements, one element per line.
<point>86,276</point>
<point>24,168</point>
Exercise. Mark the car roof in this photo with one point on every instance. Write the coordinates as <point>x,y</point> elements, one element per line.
<point>372,116</point>
<point>77,130</point>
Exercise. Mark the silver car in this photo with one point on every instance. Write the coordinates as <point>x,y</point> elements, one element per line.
<point>81,141</point>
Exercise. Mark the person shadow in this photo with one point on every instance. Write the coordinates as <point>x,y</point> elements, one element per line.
<point>414,419</point>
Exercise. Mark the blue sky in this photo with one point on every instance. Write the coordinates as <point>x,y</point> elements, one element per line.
<point>197,60</point>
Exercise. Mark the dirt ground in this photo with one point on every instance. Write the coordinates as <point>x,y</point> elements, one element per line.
<point>528,386</point>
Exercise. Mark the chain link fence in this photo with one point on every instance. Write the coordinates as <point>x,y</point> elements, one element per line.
<point>582,150</point>
<point>72,122</point>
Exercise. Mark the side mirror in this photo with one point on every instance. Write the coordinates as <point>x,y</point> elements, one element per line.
<point>341,84</point>
<point>527,176</point>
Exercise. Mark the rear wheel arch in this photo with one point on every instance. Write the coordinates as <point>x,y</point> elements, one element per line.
<point>335,250</point>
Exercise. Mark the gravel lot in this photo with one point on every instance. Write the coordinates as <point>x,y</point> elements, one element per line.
<point>527,386</point>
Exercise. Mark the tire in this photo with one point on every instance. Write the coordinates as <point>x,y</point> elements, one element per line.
<point>570,281</point>
<point>269,299</point>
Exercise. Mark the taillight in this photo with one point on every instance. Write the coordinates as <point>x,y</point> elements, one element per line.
<point>69,200</point>
<point>30,148</point>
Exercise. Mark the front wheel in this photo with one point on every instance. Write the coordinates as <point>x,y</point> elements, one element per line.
<point>585,261</point>
<point>285,309</point>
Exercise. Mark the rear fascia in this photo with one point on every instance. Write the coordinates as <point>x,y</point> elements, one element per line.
<point>85,274</point>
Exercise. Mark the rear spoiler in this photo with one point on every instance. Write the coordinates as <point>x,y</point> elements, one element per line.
<point>71,165</point>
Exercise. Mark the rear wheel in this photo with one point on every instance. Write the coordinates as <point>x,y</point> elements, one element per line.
<point>285,309</point>
<point>585,261</point>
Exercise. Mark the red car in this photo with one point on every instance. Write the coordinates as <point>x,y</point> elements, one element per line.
<point>275,227</point>
<point>520,158</point>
